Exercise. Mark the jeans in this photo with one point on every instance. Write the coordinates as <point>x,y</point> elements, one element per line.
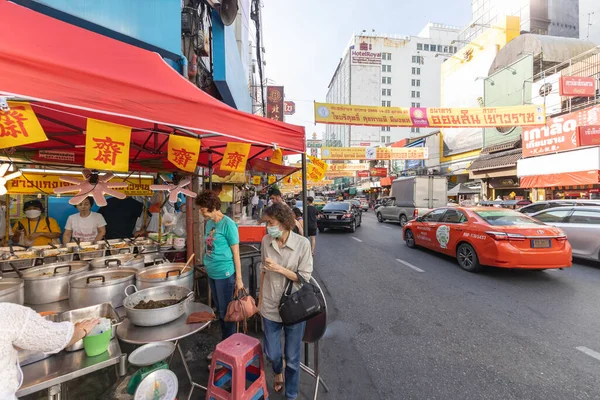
<point>222,295</point>
<point>293,350</point>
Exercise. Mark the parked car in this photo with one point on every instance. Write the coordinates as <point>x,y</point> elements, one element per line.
<point>339,215</point>
<point>546,204</point>
<point>486,236</point>
<point>319,203</point>
<point>364,204</point>
<point>582,226</point>
<point>356,203</point>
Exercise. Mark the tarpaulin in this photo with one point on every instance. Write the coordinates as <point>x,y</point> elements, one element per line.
<point>258,165</point>
<point>70,74</point>
<point>561,179</point>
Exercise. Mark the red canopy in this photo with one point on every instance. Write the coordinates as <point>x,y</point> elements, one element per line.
<point>70,74</point>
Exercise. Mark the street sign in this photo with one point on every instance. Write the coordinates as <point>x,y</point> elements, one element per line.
<point>289,108</point>
<point>314,144</point>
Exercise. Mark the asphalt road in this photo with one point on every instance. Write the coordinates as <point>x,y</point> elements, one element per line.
<point>410,324</point>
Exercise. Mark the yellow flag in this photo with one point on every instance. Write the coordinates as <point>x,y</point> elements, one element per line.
<point>107,146</point>
<point>320,168</point>
<point>184,152</point>
<point>277,157</point>
<point>235,157</point>
<point>256,180</point>
<point>19,126</point>
<point>272,179</point>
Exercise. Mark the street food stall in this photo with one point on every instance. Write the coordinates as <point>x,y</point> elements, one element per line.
<point>85,116</point>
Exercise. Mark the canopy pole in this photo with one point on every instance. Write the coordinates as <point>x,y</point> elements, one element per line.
<point>189,228</point>
<point>304,195</point>
<point>210,170</point>
<point>7,220</point>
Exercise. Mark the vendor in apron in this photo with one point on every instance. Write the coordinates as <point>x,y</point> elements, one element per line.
<point>35,229</point>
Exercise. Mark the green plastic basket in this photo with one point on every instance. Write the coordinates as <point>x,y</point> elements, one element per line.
<point>98,344</point>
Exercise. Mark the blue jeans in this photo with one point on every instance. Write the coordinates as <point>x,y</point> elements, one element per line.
<point>293,350</point>
<point>222,295</point>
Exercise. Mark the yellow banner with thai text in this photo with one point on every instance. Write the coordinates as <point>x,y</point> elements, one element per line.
<point>374,153</point>
<point>19,126</point>
<point>107,146</point>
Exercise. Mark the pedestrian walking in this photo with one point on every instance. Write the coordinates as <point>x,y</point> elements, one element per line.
<point>299,221</point>
<point>311,219</point>
<point>284,255</point>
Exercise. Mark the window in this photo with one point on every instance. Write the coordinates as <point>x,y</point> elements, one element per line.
<point>453,216</point>
<point>415,105</point>
<point>434,216</point>
<point>533,208</point>
<point>418,71</point>
<point>383,68</point>
<point>412,82</point>
<point>416,82</point>
<point>383,79</point>
<point>386,103</point>
<point>383,92</point>
<point>415,130</point>
<point>585,217</point>
<point>418,94</point>
<point>414,70</point>
<point>385,129</point>
<point>383,103</point>
<point>506,218</point>
<point>388,139</point>
<point>416,59</point>
<point>446,49</point>
<point>386,56</point>
<point>389,68</point>
<point>389,103</point>
<point>418,105</point>
<point>413,94</point>
<point>387,79</point>
<point>426,47</point>
<point>386,68</point>
<point>552,216</point>
<point>389,92</point>
<point>419,46</point>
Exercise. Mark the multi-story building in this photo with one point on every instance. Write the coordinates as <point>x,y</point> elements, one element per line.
<point>389,71</point>
<point>542,17</point>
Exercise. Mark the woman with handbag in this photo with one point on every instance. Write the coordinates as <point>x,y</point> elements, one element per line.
<point>285,255</point>
<point>221,257</point>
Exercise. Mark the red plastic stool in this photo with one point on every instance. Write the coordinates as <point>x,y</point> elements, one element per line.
<point>236,355</point>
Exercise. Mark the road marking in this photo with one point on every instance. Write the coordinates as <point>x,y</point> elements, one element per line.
<point>409,265</point>
<point>357,239</point>
<point>386,227</point>
<point>589,352</point>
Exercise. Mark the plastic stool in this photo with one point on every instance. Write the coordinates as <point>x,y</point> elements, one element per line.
<point>236,355</point>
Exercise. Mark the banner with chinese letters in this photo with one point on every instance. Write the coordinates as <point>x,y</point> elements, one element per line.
<point>485,117</point>
<point>183,152</point>
<point>277,157</point>
<point>275,108</point>
<point>19,126</point>
<point>107,146</point>
<point>235,157</point>
<point>256,180</point>
<point>374,153</point>
<point>272,179</point>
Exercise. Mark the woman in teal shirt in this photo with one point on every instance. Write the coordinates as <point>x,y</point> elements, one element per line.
<point>221,256</point>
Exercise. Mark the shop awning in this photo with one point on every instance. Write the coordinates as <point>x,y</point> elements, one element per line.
<point>579,178</point>
<point>266,167</point>
<point>462,189</point>
<point>70,74</point>
<point>502,159</point>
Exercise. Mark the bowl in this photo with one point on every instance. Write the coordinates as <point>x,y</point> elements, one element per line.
<point>97,344</point>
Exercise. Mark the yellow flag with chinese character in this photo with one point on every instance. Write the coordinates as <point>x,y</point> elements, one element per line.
<point>235,157</point>
<point>277,157</point>
<point>272,179</point>
<point>107,146</point>
<point>19,126</point>
<point>256,180</point>
<point>184,152</point>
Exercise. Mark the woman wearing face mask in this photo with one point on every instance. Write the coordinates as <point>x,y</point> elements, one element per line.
<point>35,230</point>
<point>87,226</point>
<point>284,255</point>
<point>222,256</point>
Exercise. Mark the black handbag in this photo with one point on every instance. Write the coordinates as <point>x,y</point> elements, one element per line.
<point>302,304</point>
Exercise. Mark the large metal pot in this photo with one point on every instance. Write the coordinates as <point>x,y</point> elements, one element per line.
<point>157,316</point>
<point>12,290</point>
<point>164,275</point>
<point>50,283</point>
<point>120,260</point>
<point>100,286</point>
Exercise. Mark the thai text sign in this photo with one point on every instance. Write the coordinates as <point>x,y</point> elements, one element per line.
<point>19,126</point>
<point>340,174</point>
<point>107,146</point>
<point>275,108</point>
<point>559,133</point>
<point>379,172</point>
<point>311,144</point>
<point>577,86</point>
<point>32,183</point>
<point>589,135</point>
<point>374,153</point>
<point>349,167</point>
<point>342,114</point>
<point>289,108</point>
<point>362,174</point>
<point>183,152</point>
<point>235,157</point>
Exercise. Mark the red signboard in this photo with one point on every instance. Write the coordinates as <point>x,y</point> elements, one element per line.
<point>362,174</point>
<point>379,172</point>
<point>275,108</point>
<point>589,135</point>
<point>577,86</point>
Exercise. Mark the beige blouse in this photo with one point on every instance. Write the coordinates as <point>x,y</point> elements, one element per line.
<point>295,255</point>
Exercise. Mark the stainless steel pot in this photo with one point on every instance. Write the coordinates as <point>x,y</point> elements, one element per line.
<point>100,286</point>
<point>50,283</point>
<point>121,260</point>
<point>164,275</point>
<point>20,260</point>
<point>157,316</point>
<point>12,290</point>
<point>104,310</point>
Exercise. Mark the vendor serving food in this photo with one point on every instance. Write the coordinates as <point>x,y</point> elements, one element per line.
<point>35,229</point>
<point>87,226</point>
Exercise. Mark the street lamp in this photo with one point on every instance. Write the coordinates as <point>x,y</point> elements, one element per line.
<point>473,25</point>
<point>465,42</point>
<point>449,56</point>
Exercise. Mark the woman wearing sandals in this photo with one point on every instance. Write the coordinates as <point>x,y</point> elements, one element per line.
<point>284,254</point>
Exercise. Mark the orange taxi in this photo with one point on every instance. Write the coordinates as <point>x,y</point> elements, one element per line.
<point>487,236</point>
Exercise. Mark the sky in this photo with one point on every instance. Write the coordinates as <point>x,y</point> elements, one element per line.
<point>305,39</point>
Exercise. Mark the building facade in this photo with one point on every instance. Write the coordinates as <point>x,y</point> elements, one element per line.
<point>389,71</point>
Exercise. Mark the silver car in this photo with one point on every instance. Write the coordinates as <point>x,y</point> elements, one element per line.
<point>546,204</point>
<point>582,226</point>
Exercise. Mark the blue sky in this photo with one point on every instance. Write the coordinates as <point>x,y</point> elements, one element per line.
<point>304,39</point>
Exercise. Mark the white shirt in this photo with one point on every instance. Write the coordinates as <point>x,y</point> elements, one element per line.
<point>85,229</point>
<point>23,328</point>
<point>255,200</point>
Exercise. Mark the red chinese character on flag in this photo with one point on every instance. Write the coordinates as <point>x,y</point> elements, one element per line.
<point>108,150</point>
<point>234,160</point>
<point>12,123</point>
<point>182,156</point>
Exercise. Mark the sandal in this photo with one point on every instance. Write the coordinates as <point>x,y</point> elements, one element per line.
<point>278,384</point>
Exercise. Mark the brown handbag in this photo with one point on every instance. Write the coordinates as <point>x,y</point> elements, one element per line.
<point>241,308</point>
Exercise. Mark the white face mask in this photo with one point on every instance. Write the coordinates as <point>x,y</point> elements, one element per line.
<point>33,214</point>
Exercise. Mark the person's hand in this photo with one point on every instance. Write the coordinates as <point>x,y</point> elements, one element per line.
<point>270,265</point>
<point>87,325</point>
<point>239,284</point>
<point>35,235</point>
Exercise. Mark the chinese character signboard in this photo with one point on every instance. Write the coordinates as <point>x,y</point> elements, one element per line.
<point>272,179</point>
<point>275,107</point>
<point>374,153</point>
<point>107,146</point>
<point>183,152</point>
<point>559,133</point>
<point>235,157</point>
<point>19,126</point>
<point>589,135</point>
<point>277,157</point>
<point>343,114</point>
<point>379,172</point>
<point>289,108</point>
<point>577,86</point>
<point>256,180</point>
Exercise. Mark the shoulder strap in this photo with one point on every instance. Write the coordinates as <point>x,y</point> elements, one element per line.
<point>48,224</point>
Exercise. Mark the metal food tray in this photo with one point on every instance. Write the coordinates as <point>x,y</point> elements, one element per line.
<point>90,255</point>
<point>105,310</point>
<point>19,263</point>
<point>65,257</point>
